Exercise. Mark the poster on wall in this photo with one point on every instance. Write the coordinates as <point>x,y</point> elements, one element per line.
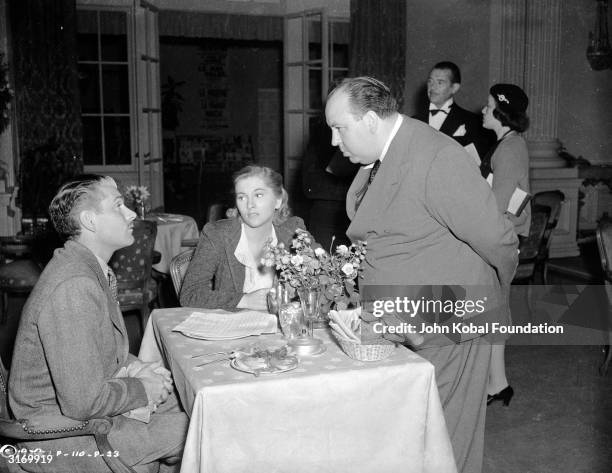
<point>213,88</point>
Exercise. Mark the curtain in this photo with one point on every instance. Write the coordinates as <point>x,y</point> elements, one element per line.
<point>47,98</point>
<point>378,42</point>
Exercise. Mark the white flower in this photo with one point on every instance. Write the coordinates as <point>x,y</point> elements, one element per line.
<point>347,269</point>
<point>296,260</point>
<point>319,252</point>
<point>342,250</point>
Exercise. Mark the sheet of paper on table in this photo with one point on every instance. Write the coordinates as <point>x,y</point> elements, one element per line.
<point>223,325</point>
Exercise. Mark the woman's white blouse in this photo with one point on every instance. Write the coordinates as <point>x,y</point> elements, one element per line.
<point>256,276</point>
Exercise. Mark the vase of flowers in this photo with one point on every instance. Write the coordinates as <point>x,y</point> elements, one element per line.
<point>137,197</point>
<point>332,275</point>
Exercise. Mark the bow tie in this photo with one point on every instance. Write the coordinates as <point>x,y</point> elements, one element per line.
<point>433,111</point>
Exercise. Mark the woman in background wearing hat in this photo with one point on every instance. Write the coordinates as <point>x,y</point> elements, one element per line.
<point>508,161</point>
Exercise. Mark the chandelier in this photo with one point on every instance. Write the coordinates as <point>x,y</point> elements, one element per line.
<point>599,52</point>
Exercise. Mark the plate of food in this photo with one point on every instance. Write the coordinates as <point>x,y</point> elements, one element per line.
<point>260,360</point>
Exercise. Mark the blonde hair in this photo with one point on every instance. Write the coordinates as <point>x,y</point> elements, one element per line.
<point>274,181</point>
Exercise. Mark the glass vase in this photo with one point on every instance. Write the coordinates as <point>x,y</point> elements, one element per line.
<point>140,209</point>
<point>290,317</point>
<point>310,298</point>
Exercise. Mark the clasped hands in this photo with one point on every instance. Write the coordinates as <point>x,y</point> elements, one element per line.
<point>156,380</point>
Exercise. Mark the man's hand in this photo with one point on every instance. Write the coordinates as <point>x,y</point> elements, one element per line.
<point>156,379</point>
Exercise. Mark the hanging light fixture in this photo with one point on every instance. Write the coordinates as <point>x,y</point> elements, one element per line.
<point>599,52</point>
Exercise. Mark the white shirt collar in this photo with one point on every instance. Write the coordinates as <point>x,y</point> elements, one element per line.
<point>242,252</point>
<point>103,265</point>
<point>446,106</point>
<point>394,130</point>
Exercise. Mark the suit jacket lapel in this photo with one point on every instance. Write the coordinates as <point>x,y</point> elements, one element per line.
<point>113,306</point>
<point>235,266</point>
<point>383,188</point>
<point>452,122</point>
<point>352,196</point>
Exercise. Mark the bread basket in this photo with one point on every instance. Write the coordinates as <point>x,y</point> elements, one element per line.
<point>367,352</point>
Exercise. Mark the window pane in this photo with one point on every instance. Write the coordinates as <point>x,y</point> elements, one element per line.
<point>340,55</point>
<point>314,89</point>
<point>113,29</point>
<point>116,89</point>
<point>314,39</point>
<point>117,140</point>
<point>90,88</point>
<point>92,141</point>
<point>87,29</point>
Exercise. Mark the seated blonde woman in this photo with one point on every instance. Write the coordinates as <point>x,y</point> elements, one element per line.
<point>226,270</point>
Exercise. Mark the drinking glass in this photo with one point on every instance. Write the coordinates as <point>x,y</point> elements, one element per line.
<point>310,298</point>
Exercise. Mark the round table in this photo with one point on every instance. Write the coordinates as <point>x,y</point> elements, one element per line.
<point>172,229</point>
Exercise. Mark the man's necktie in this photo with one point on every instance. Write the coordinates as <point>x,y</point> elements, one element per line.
<point>112,283</point>
<point>362,192</point>
<point>434,111</point>
<point>373,171</point>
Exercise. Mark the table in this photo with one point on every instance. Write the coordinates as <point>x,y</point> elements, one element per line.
<point>331,414</point>
<point>171,230</point>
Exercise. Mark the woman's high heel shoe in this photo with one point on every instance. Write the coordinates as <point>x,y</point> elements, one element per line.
<point>504,395</point>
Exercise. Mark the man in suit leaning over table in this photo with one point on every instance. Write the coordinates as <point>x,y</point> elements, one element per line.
<point>429,219</point>
<point>445,115</point>
<point>71,353</point>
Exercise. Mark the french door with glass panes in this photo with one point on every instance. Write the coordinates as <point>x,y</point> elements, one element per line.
<point>315,55</point>
<point>118,60</point>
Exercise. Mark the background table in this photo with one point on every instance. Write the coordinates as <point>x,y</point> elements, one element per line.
<point>331,414</point>
<point>171,230</point>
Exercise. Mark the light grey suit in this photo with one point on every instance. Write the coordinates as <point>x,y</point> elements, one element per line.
<point>70,343</point>
<point>430,219</point>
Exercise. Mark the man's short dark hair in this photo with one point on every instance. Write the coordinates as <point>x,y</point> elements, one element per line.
<point>75,195</point>
<point>367,93</point>
<point>455,73</point>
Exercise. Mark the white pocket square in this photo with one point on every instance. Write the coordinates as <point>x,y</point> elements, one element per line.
<point>460,131</point>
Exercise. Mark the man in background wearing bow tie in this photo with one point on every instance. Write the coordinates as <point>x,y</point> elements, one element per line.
<point>446,116</point>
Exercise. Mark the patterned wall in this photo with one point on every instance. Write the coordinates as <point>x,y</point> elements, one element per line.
<point>47,93</point>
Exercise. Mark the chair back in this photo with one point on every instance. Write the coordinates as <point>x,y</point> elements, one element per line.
<point>178,268</point>
<point>531,246</point>
<point>216,211</point>
<point>132,265</point>
<point>554,200</point>
<point>604,244</point>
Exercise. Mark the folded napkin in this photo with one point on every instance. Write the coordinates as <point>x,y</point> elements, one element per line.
<point>346,324</point>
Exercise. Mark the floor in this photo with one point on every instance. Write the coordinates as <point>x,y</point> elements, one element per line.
<point>560,419</point>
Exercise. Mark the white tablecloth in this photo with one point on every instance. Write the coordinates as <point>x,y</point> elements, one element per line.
<point>331,414</point>
<point>171,230</point>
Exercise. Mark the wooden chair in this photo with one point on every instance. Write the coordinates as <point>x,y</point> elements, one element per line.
<point>178,268</point>
<point>24,430</point>
<point>136,288</point>
<point>554,200</point>
<point>604,244</point>
<point>531,247</point>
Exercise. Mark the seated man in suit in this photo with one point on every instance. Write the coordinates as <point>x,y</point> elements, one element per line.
<point>71,353</point>
<point>446,116</point>
<point>429,219</point>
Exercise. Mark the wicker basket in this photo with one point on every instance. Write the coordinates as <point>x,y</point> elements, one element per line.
<point>360,352</point>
